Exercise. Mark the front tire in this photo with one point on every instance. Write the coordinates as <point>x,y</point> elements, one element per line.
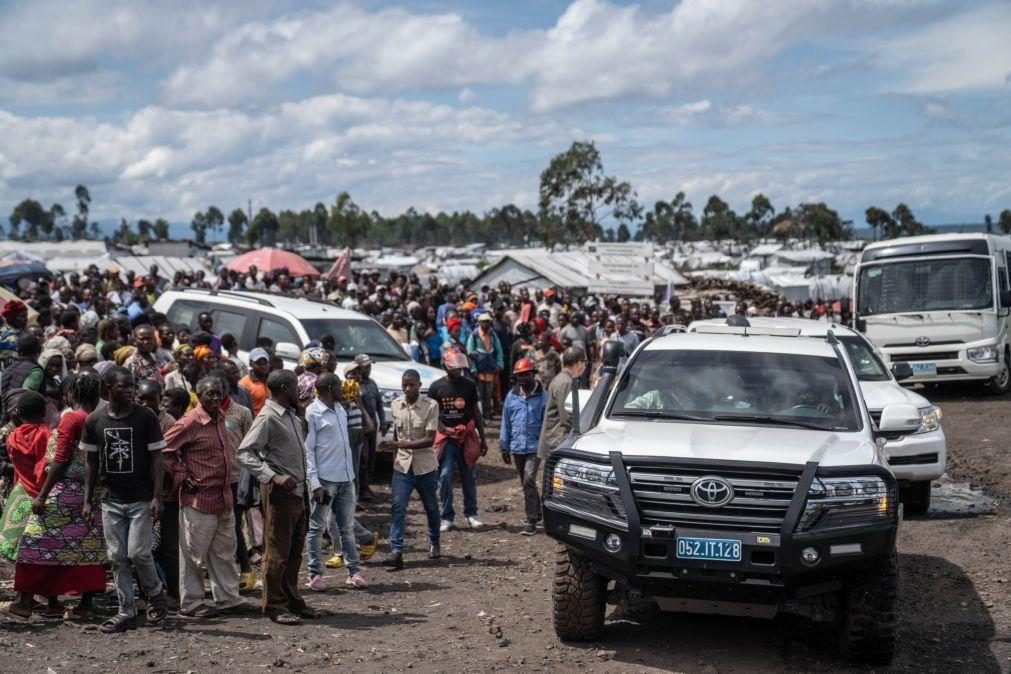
<point>867,624</point>
<point>916,498</point>
<point>578,596</point>
<point>1001,383</point>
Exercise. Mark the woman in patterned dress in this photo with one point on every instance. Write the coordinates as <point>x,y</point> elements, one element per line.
<point>59,553</point>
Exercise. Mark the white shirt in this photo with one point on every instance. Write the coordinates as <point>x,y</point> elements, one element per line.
<point>328,453</point>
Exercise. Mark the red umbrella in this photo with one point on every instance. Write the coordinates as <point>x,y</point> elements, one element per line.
<point>273,259</point>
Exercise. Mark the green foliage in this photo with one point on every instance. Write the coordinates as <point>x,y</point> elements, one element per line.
<point>900,222</point>
<point>263,230</point>
<point>199,226</point>
<point>1004,221</point>
<point>669,221</point>
<point>575,192</point>
<point>718,220</point>
<point>821,223</point>
<point>160,229</point>
<point>237,221</point>
<point>988,221</point>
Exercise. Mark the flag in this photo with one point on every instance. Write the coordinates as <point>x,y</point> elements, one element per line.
<point>670,291</point>
<point>341,266</point>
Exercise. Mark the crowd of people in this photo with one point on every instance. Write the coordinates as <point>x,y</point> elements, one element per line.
<point>155,451</point>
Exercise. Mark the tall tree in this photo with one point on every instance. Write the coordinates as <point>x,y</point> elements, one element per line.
<point>160,229</point>
<point>575,192</point>
<point>988,221</point>
<point>215,219</point>
<point>54,222</point>
<point>199,226</point>
<point>79,225</point>
<point>347,223</point>
<point>263,229</point>
<point>237,221</point>
<point>32,215</point>
<point>623,234</point>
<point>881,222</point>
<point>759,218</point>
<point>906,222</point>
<point>144,229</point>
<point>718,220</point>
<point>821,223</point>
<point>1004,221</point>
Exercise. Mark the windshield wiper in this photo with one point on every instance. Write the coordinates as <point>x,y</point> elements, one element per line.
<point>778,421</point>
<point>660,414</point>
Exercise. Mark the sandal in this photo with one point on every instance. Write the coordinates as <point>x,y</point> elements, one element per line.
<point>286,619</point>
<point>307,612</point>
<point>7,608</point>
<point>158,608</point>
<point>78,613</point>
<point>118,623</point>
<point>54,612</point>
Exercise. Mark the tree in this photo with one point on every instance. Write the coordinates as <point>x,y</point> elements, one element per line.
<point>821,223</point>
<point>199,226</point>
<point>53,223</point>
<point>623,234</point>
<point>237,221</point>
<point>347,223</point>
<point>1004,221</point>
<point>263,229</point>
<point>906,222</point>
<point>718,220</point>
<point>669,221</point>
<point>31,214</point>
<point>79,225</point>
<point>144,228</point>
<point>160,228</point>
<point>124,234</point>
<point>759,218</point>
<point>988,221</point>
<point>575,193</point>
<point>215,219</point>
<point>881,222</point>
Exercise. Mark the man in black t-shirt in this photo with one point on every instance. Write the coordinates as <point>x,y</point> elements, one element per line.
<point>123,442</point>
<point>461,423</point>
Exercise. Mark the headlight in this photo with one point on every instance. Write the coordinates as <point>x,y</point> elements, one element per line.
<point>586,488</point>
<point>930,419</point>
<point>983,354</point>
<point>840,502</point>
<point>389,395</point>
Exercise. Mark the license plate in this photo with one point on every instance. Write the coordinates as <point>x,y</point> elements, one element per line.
<point>713,549</point>
<point>924,368</point>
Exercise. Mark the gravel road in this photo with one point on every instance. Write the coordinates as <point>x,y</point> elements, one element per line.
<point>486,605</point>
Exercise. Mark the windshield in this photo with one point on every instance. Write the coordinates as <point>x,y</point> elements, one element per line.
<point>354,337</point>
<point>753,388</point>
<point>865,362</point>
<point>949,284</point>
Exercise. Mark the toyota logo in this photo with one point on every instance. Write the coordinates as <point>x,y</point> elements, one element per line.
<point>923,341</point>
<point>712,492</point>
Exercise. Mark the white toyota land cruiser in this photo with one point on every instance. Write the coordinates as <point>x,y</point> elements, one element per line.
<point>735,471</point>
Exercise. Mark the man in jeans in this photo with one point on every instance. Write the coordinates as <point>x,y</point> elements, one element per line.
<point>415,421</point>
<point>331,471</point>
<point>124,445</point>
<point>522,418</point>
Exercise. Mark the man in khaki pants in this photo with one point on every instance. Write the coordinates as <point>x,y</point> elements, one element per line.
<point>198,457</point>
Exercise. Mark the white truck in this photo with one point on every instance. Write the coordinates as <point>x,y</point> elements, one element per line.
<point>941,304</point>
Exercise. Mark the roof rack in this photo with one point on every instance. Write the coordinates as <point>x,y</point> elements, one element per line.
<point>747,331</point>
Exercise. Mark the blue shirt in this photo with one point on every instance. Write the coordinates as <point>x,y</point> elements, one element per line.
<point>522,419</point>
<point>327,448</point>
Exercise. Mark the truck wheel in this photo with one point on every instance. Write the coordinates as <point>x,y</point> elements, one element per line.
<point>579,596</point>
<point>1001,383</point>
<point>916,498</point>
<point>867,629</point>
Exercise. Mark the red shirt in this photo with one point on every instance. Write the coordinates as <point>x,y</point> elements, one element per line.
<point>26,448</point>
<point>257,391</point>
<point>197,448</point>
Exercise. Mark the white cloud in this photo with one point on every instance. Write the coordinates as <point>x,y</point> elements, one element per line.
<point>706,113</point>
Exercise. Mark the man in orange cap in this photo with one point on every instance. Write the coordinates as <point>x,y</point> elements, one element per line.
<point>522,418</point>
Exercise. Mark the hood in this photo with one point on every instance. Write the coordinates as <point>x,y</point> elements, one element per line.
<point>877,394</point>
<point>771,444</point>
<point>902,330</point>
<point>388,373</point>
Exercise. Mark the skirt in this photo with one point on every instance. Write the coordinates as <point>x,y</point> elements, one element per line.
<point>59,536</point>
<point>15,516</point>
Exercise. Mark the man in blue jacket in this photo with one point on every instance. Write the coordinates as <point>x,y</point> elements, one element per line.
<point>486,360</point>
<point>522,417</point>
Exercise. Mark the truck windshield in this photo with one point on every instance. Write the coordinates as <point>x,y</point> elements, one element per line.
<point>865,362</point>
<point>748,387</point>
<point>950,284</point>
<point>354,337</point>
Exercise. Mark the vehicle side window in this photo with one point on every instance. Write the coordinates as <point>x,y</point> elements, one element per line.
<point>277,332</point>
<point>1002,280</point>
<point>229,321</point>
<point>183,313</point>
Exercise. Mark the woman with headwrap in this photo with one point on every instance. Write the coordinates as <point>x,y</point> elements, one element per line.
<point>185,375</point>
<point>59,553</point>
<point>54,370</point>
<point>15,320</point>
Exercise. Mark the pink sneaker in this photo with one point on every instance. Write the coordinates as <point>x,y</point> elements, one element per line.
<point>317,584</point>
<point>356,581</point>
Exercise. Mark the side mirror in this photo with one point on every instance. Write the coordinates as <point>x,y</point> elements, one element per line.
<point>1005,299</point>
<point>287,350</point>
<point>611,353</point>
<point>860,324</point>
<point>902,370</point>
<point>899,418</point>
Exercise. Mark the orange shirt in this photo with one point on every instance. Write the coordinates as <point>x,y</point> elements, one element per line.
<point>257,391</point>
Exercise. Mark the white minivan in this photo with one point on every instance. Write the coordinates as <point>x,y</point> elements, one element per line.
<point>915,458</point>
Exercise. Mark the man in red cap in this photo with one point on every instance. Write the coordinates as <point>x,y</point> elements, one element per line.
<point>522,418</point>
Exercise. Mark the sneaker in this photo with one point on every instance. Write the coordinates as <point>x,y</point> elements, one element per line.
<point>335,562</point>
<point>247,582</point>
<point>368,549</point>
<point>316,584</point>
<point>445,526</point>
<point>356,581</point>
<point>529,529</point>
<point>474,523</point>
<point>395,560</point>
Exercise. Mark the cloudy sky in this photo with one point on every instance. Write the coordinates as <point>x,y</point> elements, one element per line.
<point>163,108</point>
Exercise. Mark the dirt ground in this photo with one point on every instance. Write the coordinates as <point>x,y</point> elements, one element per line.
<point>486,604</point>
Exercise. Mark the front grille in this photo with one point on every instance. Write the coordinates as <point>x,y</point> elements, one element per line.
<point>907,345</point>
<point>761,497</point>
<point>951,370</point>
<point>931,356</point>
<point>912,460</point>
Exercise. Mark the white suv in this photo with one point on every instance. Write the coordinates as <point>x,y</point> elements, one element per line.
<point>732,471</point>
<point>290,323</point>
<point>916,458</point>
